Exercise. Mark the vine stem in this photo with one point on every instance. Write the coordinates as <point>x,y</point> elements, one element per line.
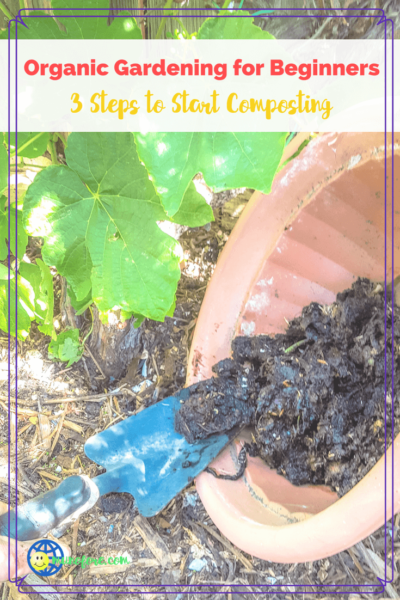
<point>161,28</point>
<point>61,138</point>
<point>35,137</point>
<point>24,166</point>
<point>224,10</point>
<point>141,21</point>
<point>185,31</point>
<point>52,149</point>
<point>5,10</point>
<point>296,345</point>
<point>91,328</point>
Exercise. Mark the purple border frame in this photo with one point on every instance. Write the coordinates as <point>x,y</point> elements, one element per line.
<point>273,588</point>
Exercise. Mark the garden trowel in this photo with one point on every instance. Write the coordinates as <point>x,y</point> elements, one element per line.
<point>142,455</point>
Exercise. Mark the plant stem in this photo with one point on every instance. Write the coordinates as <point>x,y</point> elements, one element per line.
<point>91,328</point>
<point>61,138</point>
<point>23,165</point>
<point>226,4</point>
<point>296,345</point>
<point>5,10</point>
<point>22,4</point>
<point>35,137</point>
<point>161,28</point>
<point>52,149</point>
<point>141,20</point>
<point>185,31</point>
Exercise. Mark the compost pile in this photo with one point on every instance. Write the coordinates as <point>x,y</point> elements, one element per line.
<point>316,394</point>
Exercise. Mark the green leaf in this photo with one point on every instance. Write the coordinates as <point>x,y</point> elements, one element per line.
<point>31,273</point>
<point>138,321</point>
<point>98,218</point>
<point>57,207</point>
<point>295,154</point>
<point>66,347</point>
<point>73,27</point>
<point>226,160</point>
<point>37,29</point>
<point>140,318</point>
<point>171,311</point>
<point>123,27</point>
<point>232,29</point>
<point>26,303</point>
<point>46,288</point>
<point>126,315</point>
<point>194,210</point>
<point>30,145</point>
<point>41,280</point>
<point>22,239</point>
<point>79,305</point>
<point>3,168</point>
<point>103,316</point>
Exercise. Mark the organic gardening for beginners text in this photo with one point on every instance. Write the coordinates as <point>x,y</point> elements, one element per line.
<point>184,101</point>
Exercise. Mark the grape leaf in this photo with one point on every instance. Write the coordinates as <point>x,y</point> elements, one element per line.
<point>226,160</point>
<point>57,207</point>
<point>46,288</point>
<point>171,311</point>
<point>30,145</point>
<point>232,29</point>
<point>41,280</point>
<point>194,210</point>
<point>3,168</point>
<point>26,303</point>
<point>75,27</point>
<point>123,27</point>
<point>138,319</point>
<point>79,305</point>
<point>66,347</point>
<point>22,239</point>
<point>43,28</point>
<point>98,218</point>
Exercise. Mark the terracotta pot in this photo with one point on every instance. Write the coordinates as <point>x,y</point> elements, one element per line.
<point>320,228</point>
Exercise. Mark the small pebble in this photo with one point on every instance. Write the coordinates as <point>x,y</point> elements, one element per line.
<point>127,555</point>
<point>142,386</point>
<point>190,500</point>
<point>197,564</point>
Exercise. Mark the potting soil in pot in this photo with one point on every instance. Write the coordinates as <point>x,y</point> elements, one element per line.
<point>316,394</point>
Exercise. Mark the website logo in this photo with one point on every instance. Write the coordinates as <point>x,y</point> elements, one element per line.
<point>41,555</point>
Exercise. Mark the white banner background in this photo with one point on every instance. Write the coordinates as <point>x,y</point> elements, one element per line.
<point>45,104</point>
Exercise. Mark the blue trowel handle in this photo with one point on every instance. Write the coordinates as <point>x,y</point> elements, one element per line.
<point>38,516</point>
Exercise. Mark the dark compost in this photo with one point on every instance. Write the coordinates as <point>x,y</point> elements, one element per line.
<point>315,395</point>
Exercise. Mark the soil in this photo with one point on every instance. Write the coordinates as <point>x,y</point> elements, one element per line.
<point>316,394</point>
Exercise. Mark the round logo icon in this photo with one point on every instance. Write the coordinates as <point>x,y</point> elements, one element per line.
<point>45,557</point>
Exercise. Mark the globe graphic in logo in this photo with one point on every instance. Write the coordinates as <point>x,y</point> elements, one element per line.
<point>40,557</point>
